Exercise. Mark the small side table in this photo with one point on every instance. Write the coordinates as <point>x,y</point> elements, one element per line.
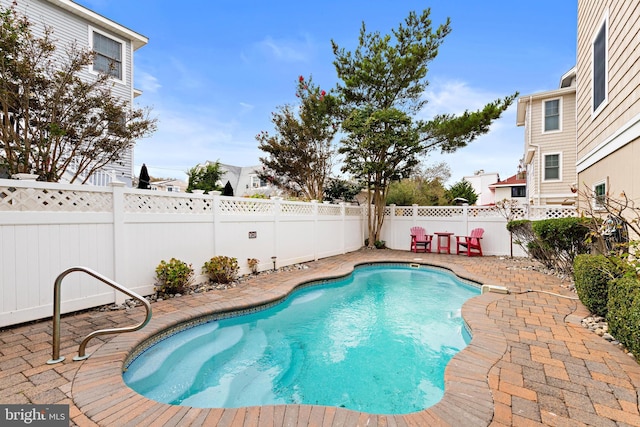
<point>444,241</point>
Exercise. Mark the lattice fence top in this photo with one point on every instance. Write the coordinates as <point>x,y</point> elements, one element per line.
<point>245,207</point>
<point>294,209</point>
<point>482,211</point>
<point>329,210</point>
<point>549,212</point>
<point>404,211</point>
<point>518,213</point>
<point>54,200</point>
<point>152,203</point>
<point>353,210</point>
<point>440,211</point>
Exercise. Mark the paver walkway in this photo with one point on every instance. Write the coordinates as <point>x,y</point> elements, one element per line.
<point>530,362</point>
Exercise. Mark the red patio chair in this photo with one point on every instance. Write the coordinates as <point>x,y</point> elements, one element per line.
<point>420,240</point>
<point>470,244</point>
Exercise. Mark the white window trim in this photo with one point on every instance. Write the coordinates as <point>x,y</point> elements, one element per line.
<point>544,167</point>
<point>605,101</point>
<point>595,205</point>
<point>544,102</point>
<point>122,53</point>
<point>255,179</point>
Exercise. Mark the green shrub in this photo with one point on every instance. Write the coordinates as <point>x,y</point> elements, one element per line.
<point>221,269</point>
<point>174,276</point>
<point>553,242</point>
<point>253,264</point>
<point>565,234</point>
<point>522,231</point>
<point>592,275</point>
<point>623,314</point>
<point>380,244</point>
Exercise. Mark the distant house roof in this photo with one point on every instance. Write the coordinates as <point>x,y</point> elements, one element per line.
<point>512,181</point>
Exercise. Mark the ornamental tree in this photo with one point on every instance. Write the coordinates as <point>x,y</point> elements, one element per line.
<point>300,154</point>
<point>382,85</point>
<point>51,118</point>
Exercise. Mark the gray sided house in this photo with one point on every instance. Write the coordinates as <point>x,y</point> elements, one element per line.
<point>245,181</point>
<point>113,43</point>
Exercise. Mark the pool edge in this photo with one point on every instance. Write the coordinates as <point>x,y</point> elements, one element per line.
<point>101,394</point>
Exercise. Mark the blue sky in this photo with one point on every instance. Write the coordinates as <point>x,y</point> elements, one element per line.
<point>213,71</point>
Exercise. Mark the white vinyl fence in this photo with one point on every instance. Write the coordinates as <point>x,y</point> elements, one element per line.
<point>460,220</point>
<point>124,233</point>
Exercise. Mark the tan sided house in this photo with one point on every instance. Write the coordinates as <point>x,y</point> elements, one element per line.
<point>550,142</point>
<point>608,99</point>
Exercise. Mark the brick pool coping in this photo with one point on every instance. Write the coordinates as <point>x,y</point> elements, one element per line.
<point>101,394</point>
<point>529,362</point>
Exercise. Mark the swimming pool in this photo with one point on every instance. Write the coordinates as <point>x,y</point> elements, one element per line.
<point>376,341</point>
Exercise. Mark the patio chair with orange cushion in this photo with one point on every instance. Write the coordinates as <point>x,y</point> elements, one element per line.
<point>470,245</point>
<point>420,240</point>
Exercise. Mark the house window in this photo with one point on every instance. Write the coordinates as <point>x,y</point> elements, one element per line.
<point>551,167</point>
<point>520,191</point>
<point>600,67</point>
<point>108,57</point>
<point>552,115</point>
<point>256,182</point>
<point>600,194</point>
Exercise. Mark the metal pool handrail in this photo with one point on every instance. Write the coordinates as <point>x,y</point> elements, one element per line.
<point>56,314</point>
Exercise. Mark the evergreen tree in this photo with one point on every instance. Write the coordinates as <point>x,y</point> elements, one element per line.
<point>382,88</point>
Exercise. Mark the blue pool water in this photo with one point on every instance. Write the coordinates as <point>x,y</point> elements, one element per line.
<point>377,341</point>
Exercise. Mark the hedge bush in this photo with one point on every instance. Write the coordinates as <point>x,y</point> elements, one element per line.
<point>623,314</point>
<point>221,269</point>
<point>174,276</point>
<point>554,242</point>
<point>592,275</point>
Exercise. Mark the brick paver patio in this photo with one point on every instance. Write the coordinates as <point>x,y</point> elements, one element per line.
<point>530,362</point>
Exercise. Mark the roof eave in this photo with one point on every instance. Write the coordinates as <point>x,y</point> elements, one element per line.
<point>137,39</point>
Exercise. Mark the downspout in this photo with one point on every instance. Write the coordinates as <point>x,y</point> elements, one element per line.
<point>538,154</point>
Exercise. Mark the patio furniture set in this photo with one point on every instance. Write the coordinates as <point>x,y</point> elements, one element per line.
<point>469,245</point>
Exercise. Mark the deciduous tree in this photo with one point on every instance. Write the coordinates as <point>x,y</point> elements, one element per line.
<point>300,154</point>
<point>52,117</point>
<point>383,82</point>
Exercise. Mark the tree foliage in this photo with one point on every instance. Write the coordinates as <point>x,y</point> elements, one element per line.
<point>52,119</point>
<point>383,81</point>
<point>462,189</point>
<point>300,153</point>
<point>341,190</point>
<point>205,177</point>
<point>424,188</point>
<point>417,191</point>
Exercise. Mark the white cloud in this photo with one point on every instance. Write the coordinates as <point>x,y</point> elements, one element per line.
<point>497,151</point>
<point>185,75</point>
<point>246,107</point>
<point>453,97</point>
<point>188,136</point>
<point>286,50</point>
<point>146,82</point>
